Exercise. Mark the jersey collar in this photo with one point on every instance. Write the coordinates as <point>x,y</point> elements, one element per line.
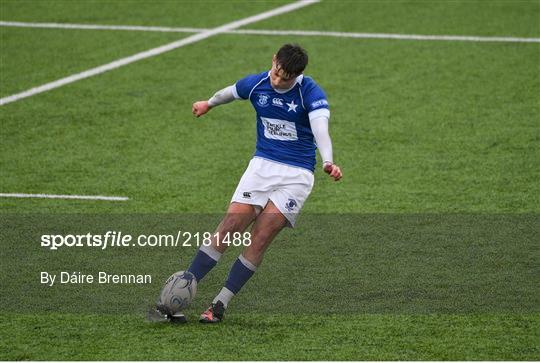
<point>298,80</point>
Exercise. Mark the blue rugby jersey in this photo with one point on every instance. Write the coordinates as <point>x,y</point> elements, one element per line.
<point>283,130</point>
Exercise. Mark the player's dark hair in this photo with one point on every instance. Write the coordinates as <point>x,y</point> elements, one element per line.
<point>292,58</point>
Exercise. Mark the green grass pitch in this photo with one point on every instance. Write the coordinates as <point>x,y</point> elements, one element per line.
<point>426,250</point>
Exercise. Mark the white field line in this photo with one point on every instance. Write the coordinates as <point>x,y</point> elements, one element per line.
<point>101,27</point>
<point>462,38</point>
<point>60,196</point>
<point>156,51</point>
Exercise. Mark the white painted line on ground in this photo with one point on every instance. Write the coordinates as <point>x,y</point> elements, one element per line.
<point>462,38</point>
<point>101,27</point>
<point>61,196</point>
<point>156,51</point>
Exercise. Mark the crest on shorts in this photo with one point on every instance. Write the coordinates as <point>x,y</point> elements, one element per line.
<point>263,100</point>
<point>291,204</point>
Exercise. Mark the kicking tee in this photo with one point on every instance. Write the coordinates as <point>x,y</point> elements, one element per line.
<point>283,129</point>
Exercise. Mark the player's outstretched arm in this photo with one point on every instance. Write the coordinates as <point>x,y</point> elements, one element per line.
<point>221,97</point>
<point>319,127</point>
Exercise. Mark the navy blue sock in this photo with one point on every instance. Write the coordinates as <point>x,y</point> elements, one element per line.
<point>240,273</point>
<point>203,262</point>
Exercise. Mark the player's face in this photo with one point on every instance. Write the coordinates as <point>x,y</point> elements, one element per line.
<point>279,78</point>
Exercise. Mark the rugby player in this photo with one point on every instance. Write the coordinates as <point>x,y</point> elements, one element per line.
<point>292,115</point>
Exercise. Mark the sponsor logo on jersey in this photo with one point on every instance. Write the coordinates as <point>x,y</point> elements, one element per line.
<point>263,100</point>
<point>279,129</point>
<point>277,102</point>
<point>291,204</point>
<point>319,103</point>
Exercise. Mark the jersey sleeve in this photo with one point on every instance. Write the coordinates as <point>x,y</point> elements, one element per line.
<point>315,101</point>
<point>244,86</point>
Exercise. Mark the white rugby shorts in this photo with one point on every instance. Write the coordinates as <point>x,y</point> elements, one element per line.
<point>285,185</point>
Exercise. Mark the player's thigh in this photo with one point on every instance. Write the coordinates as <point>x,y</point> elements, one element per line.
<point>239,216</point>
<point>266,227</point>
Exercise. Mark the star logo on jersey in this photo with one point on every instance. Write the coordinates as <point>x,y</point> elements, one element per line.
<point>292,106</point>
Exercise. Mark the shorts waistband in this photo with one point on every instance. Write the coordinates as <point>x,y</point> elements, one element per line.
<point>285,164</point>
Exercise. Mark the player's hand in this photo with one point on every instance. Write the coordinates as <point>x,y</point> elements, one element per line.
<point>333,170</point>
<point>199,108</point>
